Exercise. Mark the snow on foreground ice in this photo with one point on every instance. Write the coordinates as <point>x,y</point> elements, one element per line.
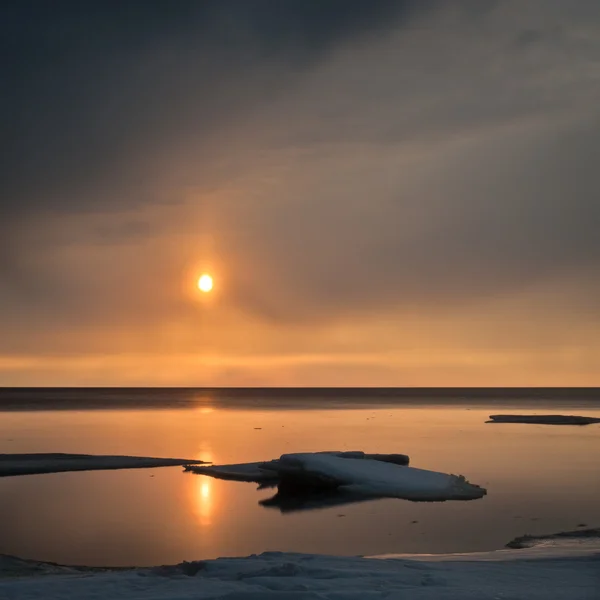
<point>282,576</point>
<point>32,464</point>
<point>361,477</point>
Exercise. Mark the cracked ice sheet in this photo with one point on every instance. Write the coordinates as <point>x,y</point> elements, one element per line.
<point>280,576</point>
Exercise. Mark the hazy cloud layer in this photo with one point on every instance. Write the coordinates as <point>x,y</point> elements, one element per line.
<point>362,178</point>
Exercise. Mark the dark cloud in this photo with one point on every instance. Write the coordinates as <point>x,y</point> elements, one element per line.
<point>95,93</point>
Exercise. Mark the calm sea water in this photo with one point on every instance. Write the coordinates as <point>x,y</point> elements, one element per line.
<point>540,479</point>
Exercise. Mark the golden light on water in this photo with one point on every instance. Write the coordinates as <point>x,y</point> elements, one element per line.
<point>205,491</point>
<point>203,497</point>
<point>203,500</point>
<point>205,283</point>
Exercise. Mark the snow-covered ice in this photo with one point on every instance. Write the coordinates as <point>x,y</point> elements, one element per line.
<point>358,478</point>
<point>31,464</point>
<point>376,478</point>
<point>580,538</point>
<point>266,472</point>
<point>514,574</point>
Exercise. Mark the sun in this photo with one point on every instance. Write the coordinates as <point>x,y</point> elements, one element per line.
<point>205,283</point>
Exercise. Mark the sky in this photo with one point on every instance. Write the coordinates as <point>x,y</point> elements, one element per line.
<point>386,193</point>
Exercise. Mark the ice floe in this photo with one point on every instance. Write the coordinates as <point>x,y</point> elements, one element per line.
<point>544,419</point>
<point>266,471</point>
<point>31,464</point>
<point>353,476</point>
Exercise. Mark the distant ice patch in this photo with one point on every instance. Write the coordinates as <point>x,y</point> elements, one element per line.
<point>544,419</point>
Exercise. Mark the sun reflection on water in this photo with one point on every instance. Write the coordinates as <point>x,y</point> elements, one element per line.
<point>204,500</point>
<point>203,491</point>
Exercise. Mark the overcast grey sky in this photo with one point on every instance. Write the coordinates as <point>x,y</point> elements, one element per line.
<point>386,192</point>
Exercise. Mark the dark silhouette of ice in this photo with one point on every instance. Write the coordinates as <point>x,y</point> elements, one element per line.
<point>544,419</point>
<point>32,464</point>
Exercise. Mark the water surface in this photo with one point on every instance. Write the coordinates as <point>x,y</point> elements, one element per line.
<point>540,479</point>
